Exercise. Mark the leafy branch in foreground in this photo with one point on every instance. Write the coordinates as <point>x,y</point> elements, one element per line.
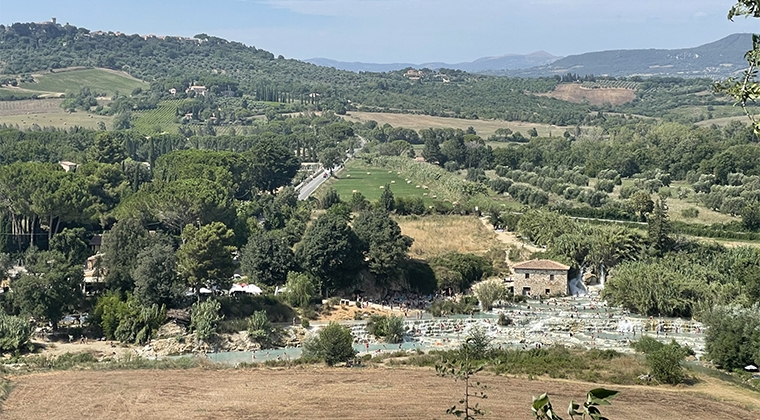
<point>746,89</point>
<point>463,371</point>
<point>542,407</point>
<point>463,368</point>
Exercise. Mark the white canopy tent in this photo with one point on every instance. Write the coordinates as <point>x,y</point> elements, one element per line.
<point>250,289</point>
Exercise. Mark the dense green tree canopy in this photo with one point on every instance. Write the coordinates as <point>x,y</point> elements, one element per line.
<point>155,274</point>
<point>331,251</point>
<point>205,257</point>
<point>385,248</point>
<point>51,289</point>
<point>273,165</point>
<point>267,259</point>
<point>121,246</point>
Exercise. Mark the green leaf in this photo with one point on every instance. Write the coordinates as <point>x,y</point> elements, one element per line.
<point>540,402</point>
<point>600,396</point>
<point>572,410</point>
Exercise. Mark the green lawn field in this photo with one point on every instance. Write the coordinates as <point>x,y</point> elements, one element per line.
<point>357,176</point>
<point>98,80</point>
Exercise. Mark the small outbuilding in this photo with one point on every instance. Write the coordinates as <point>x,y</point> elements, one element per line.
<point>541,277</point>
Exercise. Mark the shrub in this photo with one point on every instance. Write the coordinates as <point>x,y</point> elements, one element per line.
<point>108,313</point>
<point>69,360</point>
<point>488,292</point>
<point>241,307</point>
<point>647,345</point>
<point>127,321</point>
<point>14,333</point>
<point>605,185</point>
<point>626,191</point>
<point>500,185</point>
<point>309,312</point>
<point>304,322</point>
<point>333,344</point>
<point>232,326</point>
<point>477,344</point>
<point>451,166</point>
<point>300,289</point>
<point>390,328</point>
<point>690,213</point>
<point>204,318</point>
<point>664,364</point>
<point>410,205</point>
<point>462,268</point>
<point>733,336</point>
<point>330,199</point>
<point>441,307</point>
<point>504,320</point>
<point>259,327</point>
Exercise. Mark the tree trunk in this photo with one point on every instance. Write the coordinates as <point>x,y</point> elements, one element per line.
<point>50,226</point>
<point>57,226</point>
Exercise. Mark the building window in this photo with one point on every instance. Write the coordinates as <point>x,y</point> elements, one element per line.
<point>548,291</point>
<point>527,275</point>
<point>551,277</point>
<point>526,291</point>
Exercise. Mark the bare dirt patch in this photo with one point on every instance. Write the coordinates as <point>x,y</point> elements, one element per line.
<point>348,313</point>
<point>573,92</point>
<point>321,393</point>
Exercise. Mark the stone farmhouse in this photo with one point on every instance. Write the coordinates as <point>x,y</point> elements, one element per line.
<point>540,277</point>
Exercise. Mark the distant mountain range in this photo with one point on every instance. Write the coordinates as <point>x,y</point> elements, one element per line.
<point>718,59</point>
<point>481,65</point>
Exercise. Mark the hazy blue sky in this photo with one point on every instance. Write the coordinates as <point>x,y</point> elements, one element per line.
<point>406,30</point>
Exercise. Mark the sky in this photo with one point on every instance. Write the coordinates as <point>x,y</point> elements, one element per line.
<point>410,31</point>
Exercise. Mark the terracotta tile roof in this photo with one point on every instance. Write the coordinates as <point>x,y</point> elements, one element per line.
<point>540,265</point>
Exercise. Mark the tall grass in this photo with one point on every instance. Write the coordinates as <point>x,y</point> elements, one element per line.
<point>129,361</point>
<point>438,235</point>
<point>5,389</point>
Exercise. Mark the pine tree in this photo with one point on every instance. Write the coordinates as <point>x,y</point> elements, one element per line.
<point>659,229</point>
<point>387,202</point>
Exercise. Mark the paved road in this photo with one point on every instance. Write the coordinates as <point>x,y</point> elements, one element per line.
<point>308,188</point>
<point>305,189</point>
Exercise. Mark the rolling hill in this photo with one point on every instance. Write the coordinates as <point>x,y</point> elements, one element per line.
<point>103,81</point>
<point>716,60</point>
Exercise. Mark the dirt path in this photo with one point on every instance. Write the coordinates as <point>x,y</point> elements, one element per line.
<point>510,239</point>
<point>321,393</point>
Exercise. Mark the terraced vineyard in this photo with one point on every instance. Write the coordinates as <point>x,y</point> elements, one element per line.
<point>617,84</point>
<point>159,119</point>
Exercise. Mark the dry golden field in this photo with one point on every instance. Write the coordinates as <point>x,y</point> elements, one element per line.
<point>573,92</point>
<point>340,393</point>
<point>484,128</point>
<point>46,113</point>
<point>438,235</point>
